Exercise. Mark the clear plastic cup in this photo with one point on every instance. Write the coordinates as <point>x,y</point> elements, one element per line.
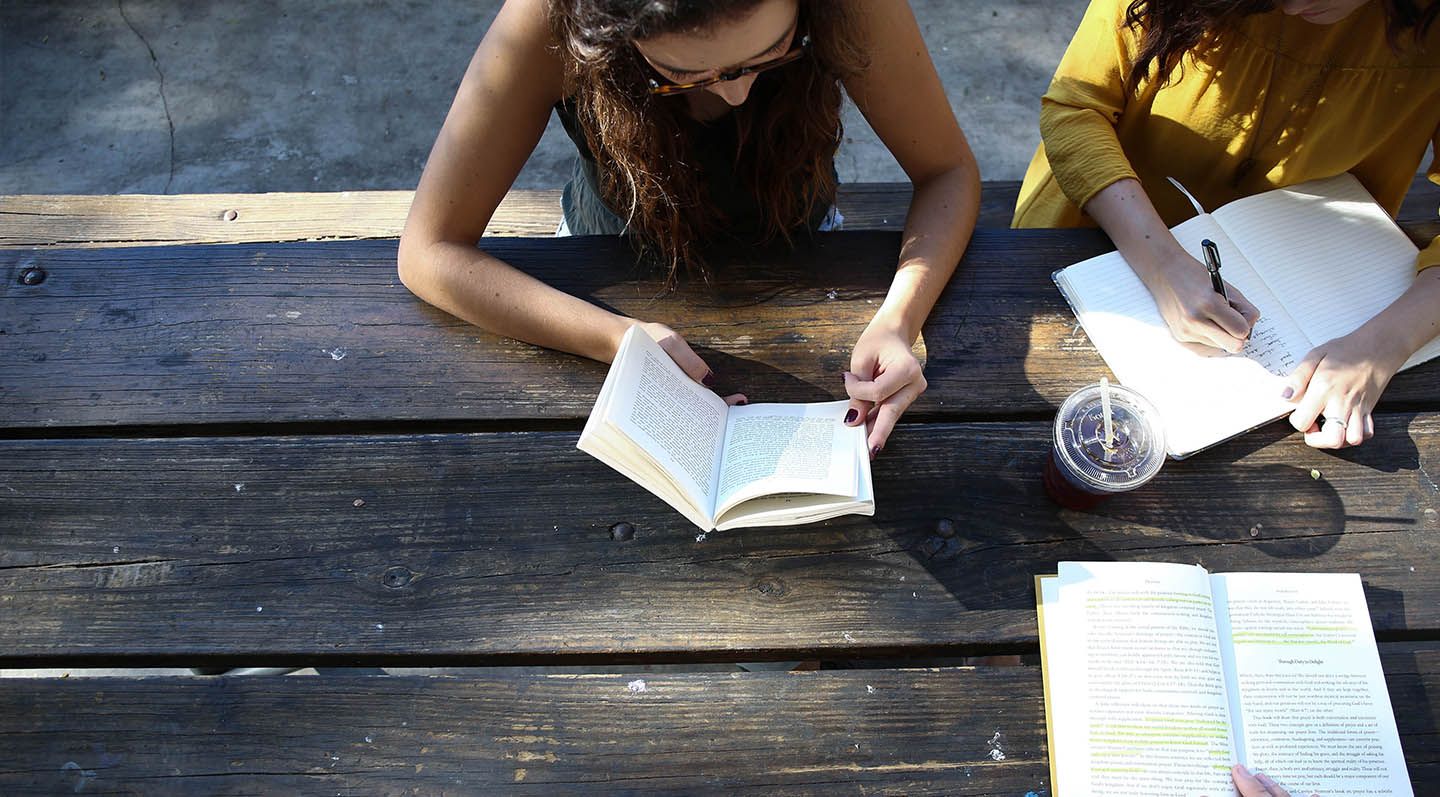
<point>1082,470</point>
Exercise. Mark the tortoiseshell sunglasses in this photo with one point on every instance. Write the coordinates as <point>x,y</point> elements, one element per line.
<point>795,54</point>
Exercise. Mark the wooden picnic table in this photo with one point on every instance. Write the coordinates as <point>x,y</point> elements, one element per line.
<point>271,454</point>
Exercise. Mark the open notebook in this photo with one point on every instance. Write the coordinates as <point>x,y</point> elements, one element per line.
<point>1318,259</point>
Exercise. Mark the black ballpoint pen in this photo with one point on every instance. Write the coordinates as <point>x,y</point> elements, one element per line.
<point>1212,264</point>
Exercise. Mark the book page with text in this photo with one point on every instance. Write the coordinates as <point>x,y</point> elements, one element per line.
<point>678,422</point>
<point>1328,252</point>
<point>1309,700</point>
<point>1203,399</point>
<point>601,440</point>
<point>1138,696</point>
<point>788,448</point>
<point>788,509</point>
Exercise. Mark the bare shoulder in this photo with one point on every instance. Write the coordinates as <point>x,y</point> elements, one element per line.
<point>499,113</point>
<point>900,93</point>
<point>881,23</point>
<point>894,48</point>
<point>520,49</point>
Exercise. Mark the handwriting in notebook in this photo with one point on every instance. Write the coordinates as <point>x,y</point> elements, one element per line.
<point>1317,259</point>
<point>1267,346</point>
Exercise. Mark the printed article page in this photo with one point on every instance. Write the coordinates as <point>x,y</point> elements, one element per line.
<point>1312,710</point>
<point>1138,697</point>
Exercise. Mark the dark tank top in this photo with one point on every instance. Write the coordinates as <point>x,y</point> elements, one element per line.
<point>712,145</point>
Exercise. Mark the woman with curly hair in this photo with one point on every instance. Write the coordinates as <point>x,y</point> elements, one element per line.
<point>695,123</point>
<point>1233,98</point>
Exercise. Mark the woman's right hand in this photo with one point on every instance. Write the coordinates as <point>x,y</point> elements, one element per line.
<point>685,357</point>
<point>1197,315</point>
<point>1256,785</point>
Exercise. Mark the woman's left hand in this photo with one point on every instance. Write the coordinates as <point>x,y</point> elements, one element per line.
<point>883,381</point>
<point>1342,380</point>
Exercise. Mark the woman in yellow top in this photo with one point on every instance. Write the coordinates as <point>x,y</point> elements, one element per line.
<point>1232,98</point>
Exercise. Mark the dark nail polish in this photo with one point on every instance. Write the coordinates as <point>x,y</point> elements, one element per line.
<point>742,402</point>
<point>1287,392</point>
<point>709,380</point>
<point>851,415</point>
<point>875,451</point>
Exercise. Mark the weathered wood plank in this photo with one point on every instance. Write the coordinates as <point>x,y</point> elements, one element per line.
<point>841,732</point>
<point>883,206</point>
<point>87,221</point>
<point>148,219</point>
<point>487,548</point>
<point>1422,203</point>
<point>877,206</point>
<point>829,732</point>
<point>266,333</point>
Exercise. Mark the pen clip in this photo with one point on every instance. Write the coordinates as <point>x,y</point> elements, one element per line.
<point>1212,265</point>
<point>1212,256</point>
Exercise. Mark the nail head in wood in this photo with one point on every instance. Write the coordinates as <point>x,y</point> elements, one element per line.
<point>397,576</point>
<point>231,215</point>
<point>771,587</point>
<point>33,276</point>
<point>621,532</point>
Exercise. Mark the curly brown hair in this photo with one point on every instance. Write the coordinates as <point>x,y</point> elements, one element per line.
<point>788,130</point>
<point>1171,28</point>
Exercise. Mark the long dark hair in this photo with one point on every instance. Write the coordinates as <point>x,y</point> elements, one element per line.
<point>1170,28</point>
<point>788,137</point>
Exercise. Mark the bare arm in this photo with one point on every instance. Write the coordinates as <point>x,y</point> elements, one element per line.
<point>1078,114</point>
<point>1178,282</point>
<point>495,122</point>
<point>902,98</point>
<point>1343,378</point>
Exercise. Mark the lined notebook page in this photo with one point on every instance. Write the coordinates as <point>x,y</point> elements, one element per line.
<point>1328,252</point>
<point>1202,400</point>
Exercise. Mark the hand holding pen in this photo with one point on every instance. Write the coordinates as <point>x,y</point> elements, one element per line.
<point>1223,318</point>
<point>1205,316</point>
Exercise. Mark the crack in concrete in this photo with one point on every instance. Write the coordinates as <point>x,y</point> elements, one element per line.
<point>164,101</point>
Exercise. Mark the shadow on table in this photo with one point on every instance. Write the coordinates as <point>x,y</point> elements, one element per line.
<point>993,530</point>
<point>974,517</point>
<point>1278,509</point>
<point>788,319</point>
<point>1387,609</point>
<point>1390,451</point>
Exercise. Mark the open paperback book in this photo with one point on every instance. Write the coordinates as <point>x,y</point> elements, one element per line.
<point>1158,677</point>
<point>724,467</point>
<point>1318,259</point>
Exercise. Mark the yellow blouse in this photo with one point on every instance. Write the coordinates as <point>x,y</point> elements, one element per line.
<point>1303,101</point>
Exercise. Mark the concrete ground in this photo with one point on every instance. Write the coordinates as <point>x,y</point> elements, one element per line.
<point>155,96</point>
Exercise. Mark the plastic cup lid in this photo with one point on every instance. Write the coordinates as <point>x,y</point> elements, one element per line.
<point>1136,453</point>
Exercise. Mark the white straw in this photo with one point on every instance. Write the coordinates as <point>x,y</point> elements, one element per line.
<point>1105,405</point>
